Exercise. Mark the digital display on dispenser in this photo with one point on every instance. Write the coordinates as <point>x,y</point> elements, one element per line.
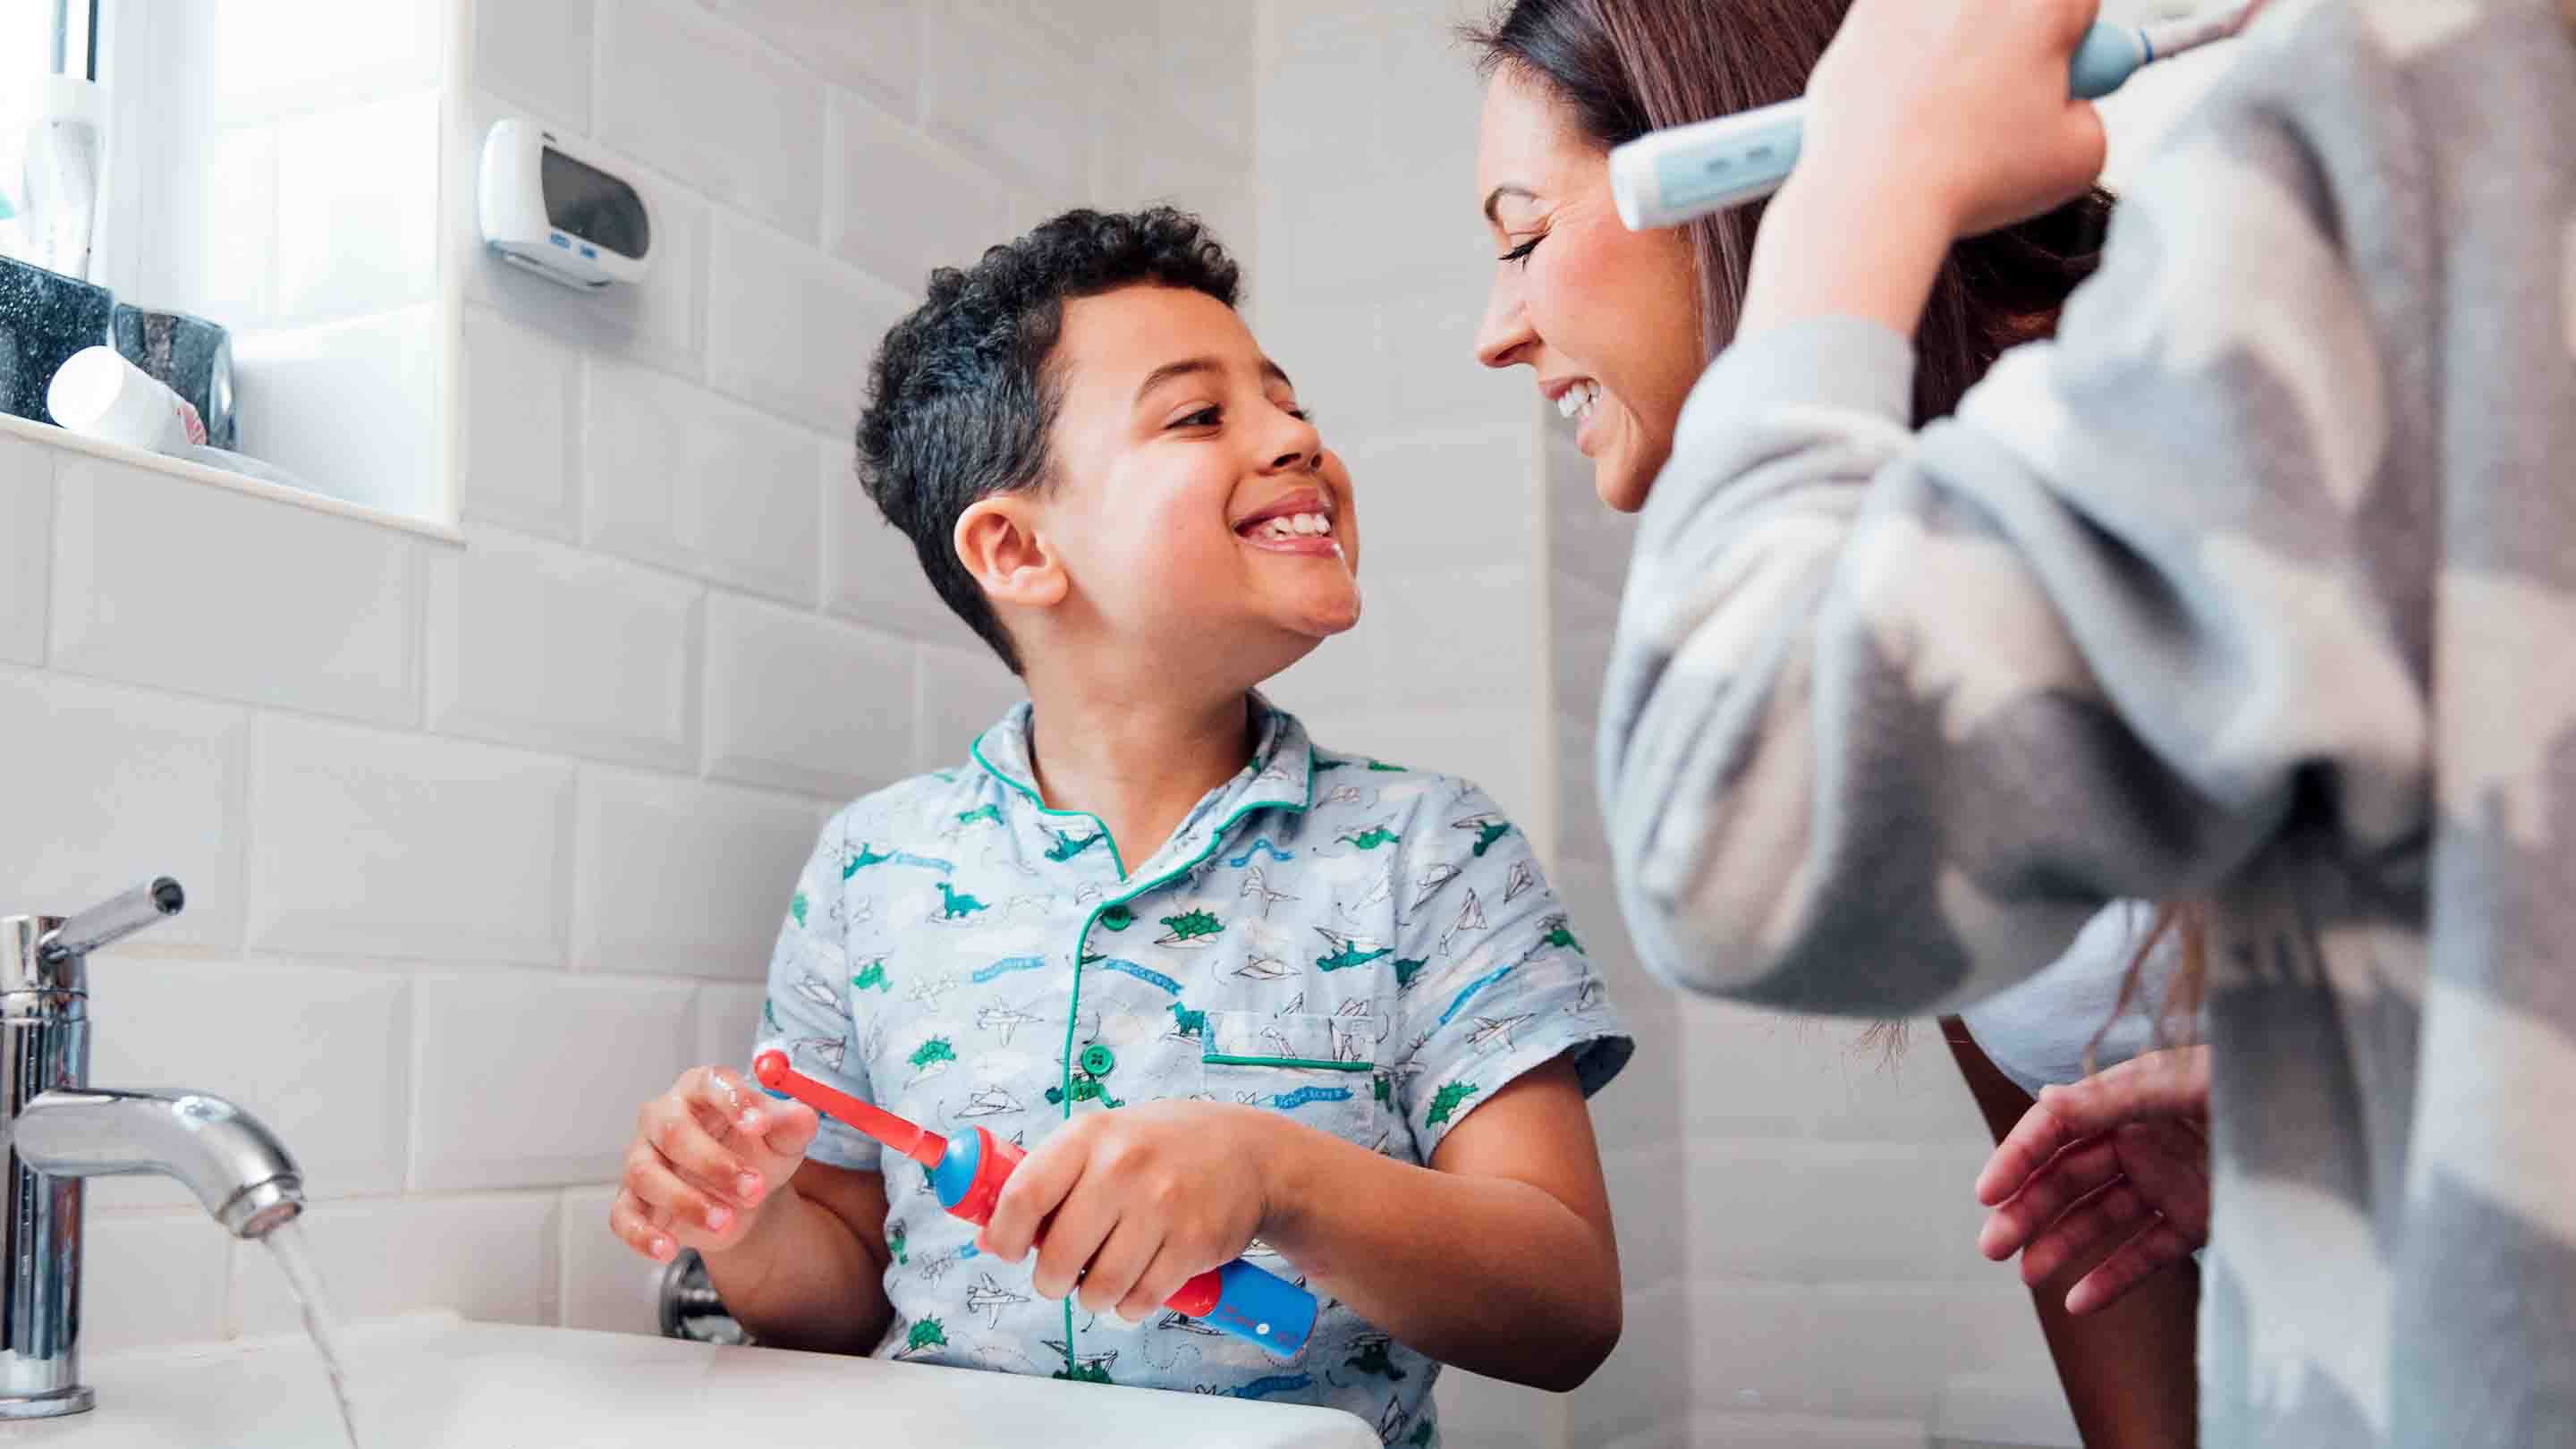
<point>593,205</point>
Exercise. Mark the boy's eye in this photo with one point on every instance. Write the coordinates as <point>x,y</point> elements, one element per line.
<point>1205,417</point>
<point>1521,253</point>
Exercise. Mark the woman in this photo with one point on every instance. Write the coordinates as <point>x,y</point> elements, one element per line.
<point>1618,325</point>
<point>2249,585</point>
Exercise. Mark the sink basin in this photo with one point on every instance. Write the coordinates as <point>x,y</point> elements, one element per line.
<point>444,1381</point>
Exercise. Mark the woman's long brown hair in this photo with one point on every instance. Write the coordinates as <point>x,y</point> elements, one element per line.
<point>1625,67</point>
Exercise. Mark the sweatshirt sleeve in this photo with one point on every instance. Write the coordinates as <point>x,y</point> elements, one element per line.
<point>1891,714</point>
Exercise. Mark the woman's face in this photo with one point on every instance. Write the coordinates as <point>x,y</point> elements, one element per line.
<point>1608,318</point>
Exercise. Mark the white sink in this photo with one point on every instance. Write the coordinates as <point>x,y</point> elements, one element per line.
<point>443,1382</point>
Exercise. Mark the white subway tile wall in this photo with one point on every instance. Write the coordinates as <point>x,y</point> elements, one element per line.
<point>495,838</point>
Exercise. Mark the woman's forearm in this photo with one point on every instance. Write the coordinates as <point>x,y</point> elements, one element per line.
<point>1491,1274</point>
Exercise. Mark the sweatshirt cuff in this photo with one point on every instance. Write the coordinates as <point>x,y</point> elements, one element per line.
<point>1839,363</point>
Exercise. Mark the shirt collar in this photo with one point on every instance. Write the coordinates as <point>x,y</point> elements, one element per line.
<point>1281,773</point>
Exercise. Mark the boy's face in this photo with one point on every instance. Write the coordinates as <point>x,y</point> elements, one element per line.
<point>1194,506</point>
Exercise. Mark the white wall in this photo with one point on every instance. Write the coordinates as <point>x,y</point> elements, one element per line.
<point>484,844</point>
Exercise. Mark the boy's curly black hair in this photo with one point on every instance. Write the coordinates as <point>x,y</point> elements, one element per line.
<point>961,399</point>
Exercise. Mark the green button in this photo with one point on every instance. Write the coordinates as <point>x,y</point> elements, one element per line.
<point>1098,1060</point>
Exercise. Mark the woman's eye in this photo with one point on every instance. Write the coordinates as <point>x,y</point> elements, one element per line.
<point>1521,253</point>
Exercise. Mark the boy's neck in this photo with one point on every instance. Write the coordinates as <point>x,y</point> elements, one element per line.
<point>1137,763</point>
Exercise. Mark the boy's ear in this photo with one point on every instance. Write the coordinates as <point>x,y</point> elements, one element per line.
<point>997,539</point>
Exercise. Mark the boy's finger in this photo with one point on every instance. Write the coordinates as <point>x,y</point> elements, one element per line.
<point>1110,1277</point>
<point>1036,1188</point>
<point>1073,1237</point>
<point>1156,1285</point>
<point>787,1129</point>
<point>655,1184</point>
<point>2107,1216</point>
<point>2155,1249</point>
<point>2068,1177</point>
<point>698,1158</point>
<point>727,1102</point>
<point>627,1220</point>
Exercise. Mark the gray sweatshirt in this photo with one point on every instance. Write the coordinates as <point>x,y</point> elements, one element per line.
<point>2258,585</point>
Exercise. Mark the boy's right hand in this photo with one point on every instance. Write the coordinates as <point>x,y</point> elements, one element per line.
<point>707,1155</point>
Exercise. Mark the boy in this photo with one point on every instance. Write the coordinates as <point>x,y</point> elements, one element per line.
<point>1234,993</point>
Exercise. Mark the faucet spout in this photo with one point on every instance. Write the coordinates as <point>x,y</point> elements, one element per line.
<point>235,1166</point>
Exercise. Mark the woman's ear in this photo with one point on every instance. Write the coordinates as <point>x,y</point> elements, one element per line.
<point>998,541</point>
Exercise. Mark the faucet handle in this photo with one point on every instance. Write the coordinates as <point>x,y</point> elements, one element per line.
<point>111,921</point>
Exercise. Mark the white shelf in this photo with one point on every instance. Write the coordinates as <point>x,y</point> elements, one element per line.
<point>47,435</point>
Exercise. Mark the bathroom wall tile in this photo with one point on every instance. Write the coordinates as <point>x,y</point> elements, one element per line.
<point>271,59</point>
<point>901,203</point>
<point>1042,138</point>
<point>1637,1393</point>
<point>656,320</point>
<point>350,407</point>
<point>357,227</point>
<point>871,572</point>
<point>153,1278</point>
<point>538,644</point>
<point>681,477</point>
<point>1465,636</point>
<point>678,878</point>
<point>213,249</point>
<point>529,1081</point>
<point>721,110</point>
<point>805,703</point>
<point>133,784</point>
<point>405,845</point>
<point>487,1258</point>
<point>522,445</point>
<point>1915,1337</point>
<point>1493,747</point>
<point>728,1018</point>
<point>1836,1212</point>
<point>1478,1410</point>
<point>26,548</point>
<point>1754,1346</point>
<point>1437,499</point>
<point>536,52</point>
<point>607,1286</point>
<point>1754,1430</point>
<point>321,1056</point>
<point>963,691</point>
<point>165,581</point>
<point>1645,1183</point>
<point>870,46</point>
<point>1206,76</point>
<point>790,330</point>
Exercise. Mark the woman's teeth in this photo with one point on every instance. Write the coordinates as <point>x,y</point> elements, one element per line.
<point>1293,525</point>
<point>1576,402</point>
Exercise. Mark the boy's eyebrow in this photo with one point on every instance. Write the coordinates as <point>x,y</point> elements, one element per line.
<point>1494,199</point>
<point>1190,365</point>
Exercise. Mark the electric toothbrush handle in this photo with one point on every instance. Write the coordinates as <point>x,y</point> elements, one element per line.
<point>1250,1303</point>
<point>1668,177</point>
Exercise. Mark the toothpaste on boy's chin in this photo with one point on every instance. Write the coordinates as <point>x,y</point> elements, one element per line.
<point>99,394</point>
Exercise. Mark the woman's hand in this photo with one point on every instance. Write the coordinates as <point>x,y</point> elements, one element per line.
<point>2124,1152</point>
<point>1136,1202</point>
<point>1958,108</point>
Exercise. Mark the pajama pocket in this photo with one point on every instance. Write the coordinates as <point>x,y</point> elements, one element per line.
<point>1291,1064</point>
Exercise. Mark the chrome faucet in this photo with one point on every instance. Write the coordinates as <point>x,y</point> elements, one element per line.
<point>59,1130</point>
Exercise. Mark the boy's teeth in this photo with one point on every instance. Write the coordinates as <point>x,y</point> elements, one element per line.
<point>1296,525</point>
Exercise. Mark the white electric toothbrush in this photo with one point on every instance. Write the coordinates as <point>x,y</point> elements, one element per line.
<point>1668,177</point>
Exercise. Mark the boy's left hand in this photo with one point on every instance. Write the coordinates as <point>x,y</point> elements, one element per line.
<point>1133,1203</point>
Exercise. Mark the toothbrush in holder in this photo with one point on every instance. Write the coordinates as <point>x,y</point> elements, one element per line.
<point>1681,173</point>
<point>967,1173</point>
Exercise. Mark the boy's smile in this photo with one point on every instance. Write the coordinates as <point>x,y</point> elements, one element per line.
<point>1301,523</point>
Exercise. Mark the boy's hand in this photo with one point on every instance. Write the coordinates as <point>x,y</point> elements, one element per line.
<point>1136,1202</point>
<point>706,1155</point>
<point>1959,107</point>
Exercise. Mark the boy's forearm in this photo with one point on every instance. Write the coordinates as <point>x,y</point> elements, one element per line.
<point>1490,1274</point>
<point>803,1278</point>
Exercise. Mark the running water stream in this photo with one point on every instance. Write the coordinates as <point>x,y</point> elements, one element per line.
<point>295,1260</point>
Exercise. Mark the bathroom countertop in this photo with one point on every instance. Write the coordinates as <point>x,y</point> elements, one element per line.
<point>446,1382</point>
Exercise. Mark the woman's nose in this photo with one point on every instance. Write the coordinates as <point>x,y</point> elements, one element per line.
<point>1504,337</point>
